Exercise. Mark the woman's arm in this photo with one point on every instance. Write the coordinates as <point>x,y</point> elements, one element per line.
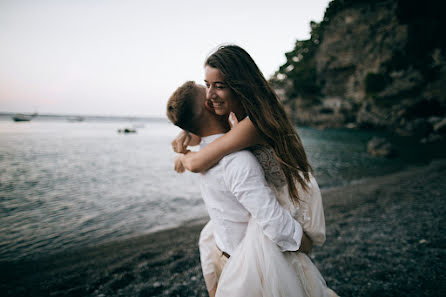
<point>241,136</point>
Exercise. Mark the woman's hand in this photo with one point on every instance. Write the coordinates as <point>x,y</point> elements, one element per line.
<point>183,140</point>
<point>179,164</point>
<point>180,143</point>
<point>233,121</point>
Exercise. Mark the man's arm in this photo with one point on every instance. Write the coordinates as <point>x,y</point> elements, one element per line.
<point>245,178</point>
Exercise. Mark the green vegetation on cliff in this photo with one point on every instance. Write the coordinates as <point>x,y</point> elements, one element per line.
<point>300,68</point>
<point>373,63</point>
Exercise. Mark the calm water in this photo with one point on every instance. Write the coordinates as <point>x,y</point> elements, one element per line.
<point>66,185</point>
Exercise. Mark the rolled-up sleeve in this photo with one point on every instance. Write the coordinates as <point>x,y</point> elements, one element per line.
<point>245,178</point>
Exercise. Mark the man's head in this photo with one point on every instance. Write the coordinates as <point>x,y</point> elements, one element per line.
<point>186,107</point>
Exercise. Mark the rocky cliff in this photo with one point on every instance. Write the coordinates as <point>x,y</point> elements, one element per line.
<point>371,64</point>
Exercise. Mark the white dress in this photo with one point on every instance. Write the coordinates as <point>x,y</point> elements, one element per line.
<point>257,267</point>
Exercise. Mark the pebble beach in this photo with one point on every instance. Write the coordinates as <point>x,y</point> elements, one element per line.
<point>386,236</point>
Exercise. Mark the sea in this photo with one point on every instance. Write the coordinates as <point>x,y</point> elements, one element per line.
<point>68,184</point>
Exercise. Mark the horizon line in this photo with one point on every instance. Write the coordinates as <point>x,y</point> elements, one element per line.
<point>10,113</point>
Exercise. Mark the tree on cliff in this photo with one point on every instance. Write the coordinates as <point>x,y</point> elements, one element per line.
<point>416,60</point>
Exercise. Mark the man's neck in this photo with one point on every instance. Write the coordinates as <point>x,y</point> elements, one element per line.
<point>212,131</point>
<point>214,126</point>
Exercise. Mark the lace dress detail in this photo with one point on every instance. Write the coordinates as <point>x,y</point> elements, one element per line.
<point>273,173</point>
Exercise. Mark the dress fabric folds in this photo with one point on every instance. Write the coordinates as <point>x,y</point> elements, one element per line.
<point>258,268</point>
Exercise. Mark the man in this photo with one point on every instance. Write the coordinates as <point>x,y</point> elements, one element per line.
<point>234,190</point>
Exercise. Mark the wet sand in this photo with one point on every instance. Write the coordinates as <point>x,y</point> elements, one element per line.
<point>386,236</point>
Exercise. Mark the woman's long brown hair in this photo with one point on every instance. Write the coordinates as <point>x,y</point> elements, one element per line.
<point>265,110</point>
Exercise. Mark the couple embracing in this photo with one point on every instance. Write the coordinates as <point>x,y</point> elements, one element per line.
<point>264,204</point>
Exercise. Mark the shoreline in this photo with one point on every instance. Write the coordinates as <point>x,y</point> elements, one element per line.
<point>385,237</point>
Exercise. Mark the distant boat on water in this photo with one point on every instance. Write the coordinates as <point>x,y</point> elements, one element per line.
<point>127,130</point>
<point>76,119</point>
<point>20,117</point>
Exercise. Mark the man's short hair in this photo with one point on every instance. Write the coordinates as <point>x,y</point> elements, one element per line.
<point>182,107</point>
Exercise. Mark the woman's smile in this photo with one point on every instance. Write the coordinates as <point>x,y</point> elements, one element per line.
<point>217,103</point>
<point>218,92</point>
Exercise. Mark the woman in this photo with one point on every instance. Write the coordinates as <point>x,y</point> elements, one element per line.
<point>236,88</point>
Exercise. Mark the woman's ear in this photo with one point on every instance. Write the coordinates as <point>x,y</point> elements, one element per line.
<point>208,105</point>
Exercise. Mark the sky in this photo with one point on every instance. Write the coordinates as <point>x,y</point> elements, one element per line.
<point>125,58</point>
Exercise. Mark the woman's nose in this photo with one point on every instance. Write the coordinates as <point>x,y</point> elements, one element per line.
<point>209,92</point>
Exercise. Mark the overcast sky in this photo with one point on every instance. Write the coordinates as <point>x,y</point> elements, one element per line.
<point>109,57</point>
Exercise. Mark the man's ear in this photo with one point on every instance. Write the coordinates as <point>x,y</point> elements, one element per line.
<point>208,105</point>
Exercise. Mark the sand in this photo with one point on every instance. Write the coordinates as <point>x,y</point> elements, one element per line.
<point>386,236</point>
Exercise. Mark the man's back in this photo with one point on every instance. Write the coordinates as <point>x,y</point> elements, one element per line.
<point>235,190</point>
<point>229,216</point>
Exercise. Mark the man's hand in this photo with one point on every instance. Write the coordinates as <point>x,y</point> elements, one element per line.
<point>306,244</point>
<point>213,292</point>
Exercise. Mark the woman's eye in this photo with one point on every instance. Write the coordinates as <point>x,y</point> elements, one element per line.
<point>220,86</point>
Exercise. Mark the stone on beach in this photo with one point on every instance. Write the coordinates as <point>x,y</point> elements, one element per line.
<point>385,237</point>
<point>380,147</point>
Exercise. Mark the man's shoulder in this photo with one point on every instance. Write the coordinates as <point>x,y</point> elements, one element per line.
<point>240,160</point>
<point>240,156</point>
<point>241,168</point>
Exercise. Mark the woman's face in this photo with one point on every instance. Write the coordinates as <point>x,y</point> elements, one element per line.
<point>217,91</point>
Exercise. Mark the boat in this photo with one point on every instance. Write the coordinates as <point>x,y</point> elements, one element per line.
<point>76,119</point>
<point>127,130</point>
<point>20,117</point>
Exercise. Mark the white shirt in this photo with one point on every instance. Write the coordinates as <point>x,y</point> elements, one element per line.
<point>234,190</point>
